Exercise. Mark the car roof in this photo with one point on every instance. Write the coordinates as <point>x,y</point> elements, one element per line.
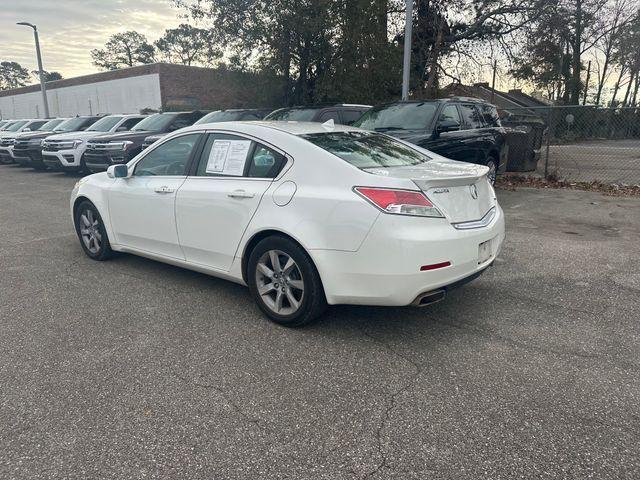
<point>294,128</point>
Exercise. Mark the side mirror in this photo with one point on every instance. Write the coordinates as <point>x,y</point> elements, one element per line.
<point>117,171</point>
<point>27,129</point>
<point>448,126</point>
<point>121,129</point>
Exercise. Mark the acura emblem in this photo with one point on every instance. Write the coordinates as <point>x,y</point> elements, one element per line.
<point>474,191</point>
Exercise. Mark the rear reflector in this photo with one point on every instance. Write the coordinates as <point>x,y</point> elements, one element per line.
<point>399,202</point>
<point>434,266</point>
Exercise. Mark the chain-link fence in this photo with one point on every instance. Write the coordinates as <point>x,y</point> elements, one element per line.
<point>576,143</point>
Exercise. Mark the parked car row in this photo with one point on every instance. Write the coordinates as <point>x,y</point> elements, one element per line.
<point>459,128</point>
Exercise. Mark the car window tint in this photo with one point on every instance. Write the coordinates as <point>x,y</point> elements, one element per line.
<point>222,154</point>
<point>129,123</point>
<point>182,121</point>
<point>350,116</point>
<point>264,163</point>
<point>449,114</point>
<point>37,125</point>
<point>471,116</point>
<point>490,115</point>
<point>170,158</point>
<point>329,115</point>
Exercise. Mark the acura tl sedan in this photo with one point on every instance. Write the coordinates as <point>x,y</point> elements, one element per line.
<point>305,214</point>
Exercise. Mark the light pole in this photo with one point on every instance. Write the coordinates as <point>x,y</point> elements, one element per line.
<point>43,88</point>
<point>407,49</point>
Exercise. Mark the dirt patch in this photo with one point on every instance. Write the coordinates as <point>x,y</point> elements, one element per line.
<point>512,182</point>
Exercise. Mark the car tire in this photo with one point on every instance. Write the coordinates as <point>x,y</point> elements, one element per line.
<point>91,232</point>
<point>285,283</point>
<point>492,163</point>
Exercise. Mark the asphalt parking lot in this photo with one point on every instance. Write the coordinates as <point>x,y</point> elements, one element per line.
<point>135,369</point>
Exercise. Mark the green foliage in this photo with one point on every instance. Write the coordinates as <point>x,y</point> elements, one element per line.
<point>48,76</point>
<point>124,49</point>
<point>12,75</point>
<point>187,45</point>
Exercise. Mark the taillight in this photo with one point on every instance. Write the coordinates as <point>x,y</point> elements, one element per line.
<point>399,202</point>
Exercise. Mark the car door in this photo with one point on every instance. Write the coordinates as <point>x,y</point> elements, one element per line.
<point>449,144</point>
<point>475,133</point>
<point>219,198</point>
<point>142,206</point>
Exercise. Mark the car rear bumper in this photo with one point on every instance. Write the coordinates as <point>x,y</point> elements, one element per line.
<point>386,270</point>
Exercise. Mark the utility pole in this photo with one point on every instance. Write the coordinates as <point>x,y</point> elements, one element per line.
<point>586,84</point>
<point>493,81</point>
<point>43,87</point>
<point>407,49</point>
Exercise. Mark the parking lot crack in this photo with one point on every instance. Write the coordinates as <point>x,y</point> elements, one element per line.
<point>234,406</point>
<point>391,403</point>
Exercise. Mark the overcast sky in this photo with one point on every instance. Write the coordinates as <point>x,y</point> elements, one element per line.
<point>70,29</point>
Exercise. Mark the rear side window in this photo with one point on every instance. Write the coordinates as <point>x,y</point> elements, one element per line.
<point>226,155</point>
<point>350,116</point>
<point>37,125</point>
<point>367,150</point>
<point>182,121</point>
<point>471,116</point>
<point>129,123</point>
<point>490,115</point>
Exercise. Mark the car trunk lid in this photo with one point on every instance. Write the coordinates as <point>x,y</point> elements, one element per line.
<point>460,190</point>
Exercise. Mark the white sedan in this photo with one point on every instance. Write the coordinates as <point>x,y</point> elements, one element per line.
<point>305,214</point>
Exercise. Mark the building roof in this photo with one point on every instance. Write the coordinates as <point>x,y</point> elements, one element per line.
<point>515,101</point>
<point>129,72</point>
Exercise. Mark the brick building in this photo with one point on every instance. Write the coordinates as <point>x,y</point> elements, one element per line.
<point>158,86</point>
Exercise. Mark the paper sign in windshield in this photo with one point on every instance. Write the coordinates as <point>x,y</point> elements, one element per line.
<point>227,157</point>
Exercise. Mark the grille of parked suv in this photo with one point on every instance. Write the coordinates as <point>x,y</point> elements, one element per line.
<point>55,145</point>
<point>21,145</point>
<point>100,147</point>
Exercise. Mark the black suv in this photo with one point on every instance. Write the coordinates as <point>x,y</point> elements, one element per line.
<point>231,115</point>
<point>459,128</point>
<point>343,113</point>
<point>121,147</point>
<point>28,147</point>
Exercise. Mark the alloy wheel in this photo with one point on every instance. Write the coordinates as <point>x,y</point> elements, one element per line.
<point>90,231</point>
<point>279,282</point>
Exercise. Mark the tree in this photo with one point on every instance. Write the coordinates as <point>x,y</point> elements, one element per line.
<point>48,76</point>
<point>187,45</point>
<point>12,75</point>
<point>125,49</point>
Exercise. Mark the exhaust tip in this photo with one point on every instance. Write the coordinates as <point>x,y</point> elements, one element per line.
<point>429,298</point>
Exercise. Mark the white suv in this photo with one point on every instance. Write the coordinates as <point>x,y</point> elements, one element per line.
<point>11,131</point>
<point>64,151</point>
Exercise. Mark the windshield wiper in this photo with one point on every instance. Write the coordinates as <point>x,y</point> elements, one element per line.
<point>386,129</point>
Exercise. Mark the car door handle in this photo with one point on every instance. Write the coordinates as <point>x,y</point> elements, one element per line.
<point>241,194</point>
<point>164,189</point>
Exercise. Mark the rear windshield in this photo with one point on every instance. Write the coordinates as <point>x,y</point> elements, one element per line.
<point>105,124</point>
<point>401,116</point>
<point>293,114</point>
<point>367,150</point>
<point>158,121</point>
<point>51,124</point>
<point>14,127</point>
